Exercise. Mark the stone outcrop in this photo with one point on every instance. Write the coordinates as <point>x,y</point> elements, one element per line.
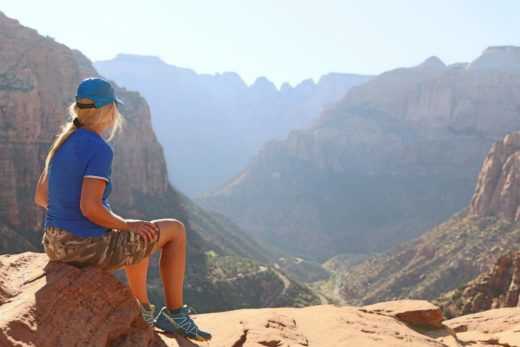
<point>53,304</point>
<point>498,288</point>
<point>490,328</point>
<point>324,326</point>
<point>492,290</point>
<point>498,187</point>
<point>410,311</point>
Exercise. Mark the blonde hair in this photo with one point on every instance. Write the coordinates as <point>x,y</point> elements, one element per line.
<point>108,114</point>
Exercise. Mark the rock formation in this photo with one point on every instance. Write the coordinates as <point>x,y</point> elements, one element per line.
<point>489,328</point>
<point>410,311</point>
<point>498,187</point>
<point>53,304</point>
<point>497,288</point>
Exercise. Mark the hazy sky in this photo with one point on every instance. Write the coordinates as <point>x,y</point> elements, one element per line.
<point>284,40</point>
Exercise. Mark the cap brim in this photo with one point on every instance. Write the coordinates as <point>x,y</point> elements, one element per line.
<point>119,101</point>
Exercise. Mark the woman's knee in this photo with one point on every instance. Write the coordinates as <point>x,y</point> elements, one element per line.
<point>170,228</point>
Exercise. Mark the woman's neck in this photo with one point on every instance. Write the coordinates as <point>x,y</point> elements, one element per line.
<point>99,129</point>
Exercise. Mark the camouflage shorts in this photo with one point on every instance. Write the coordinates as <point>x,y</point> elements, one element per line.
<point>112,251</point>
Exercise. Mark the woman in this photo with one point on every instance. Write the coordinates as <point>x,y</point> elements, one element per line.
<point>80,227</point>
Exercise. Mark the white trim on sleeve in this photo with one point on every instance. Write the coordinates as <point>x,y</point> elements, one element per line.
<point>92,176</point>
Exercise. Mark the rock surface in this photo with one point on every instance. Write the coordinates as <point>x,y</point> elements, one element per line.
<point>410,311</point>
<point>46,303</point>
<point>498,187</point>
<point>53,304</point>
<point>323,325</point>
<point>500,327</point>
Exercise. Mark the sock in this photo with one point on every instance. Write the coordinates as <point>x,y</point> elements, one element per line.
<point>175,311</point>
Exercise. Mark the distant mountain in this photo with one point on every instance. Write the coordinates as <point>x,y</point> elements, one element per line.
<point>456,251</point>
<point>505,58</point>
<point>396,156</point>
<point>38,78</point>
<point>211,125</point>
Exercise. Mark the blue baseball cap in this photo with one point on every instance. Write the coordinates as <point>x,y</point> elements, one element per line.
<point>99,90</point>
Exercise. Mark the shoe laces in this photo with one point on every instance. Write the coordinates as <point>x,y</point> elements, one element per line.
<point>190,310</point>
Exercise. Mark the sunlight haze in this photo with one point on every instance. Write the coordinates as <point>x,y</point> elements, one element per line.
<point>282,40</point>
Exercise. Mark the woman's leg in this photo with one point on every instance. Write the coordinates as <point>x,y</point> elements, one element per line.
<point>136,275</point>
<point>173,260</point>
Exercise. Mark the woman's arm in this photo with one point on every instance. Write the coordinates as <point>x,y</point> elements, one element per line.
<point>42,191</point>
<point>90,204</point>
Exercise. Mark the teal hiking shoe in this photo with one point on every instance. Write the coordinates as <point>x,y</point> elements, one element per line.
<point>181,323</point>
<point>148,316</point>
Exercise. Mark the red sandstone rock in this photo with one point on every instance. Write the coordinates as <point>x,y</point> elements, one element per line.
<point>53,304</point>
<point>498,187</point>
<point>497,289</point>
<point>314,326</point>
<point>498,327</point>
<point>418,312</point>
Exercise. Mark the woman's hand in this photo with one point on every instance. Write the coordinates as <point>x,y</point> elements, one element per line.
<point>146,229</point>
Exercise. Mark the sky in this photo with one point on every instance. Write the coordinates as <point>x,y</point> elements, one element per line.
<point>283,40</point>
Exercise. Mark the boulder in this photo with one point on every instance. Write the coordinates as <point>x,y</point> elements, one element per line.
<point>415,312</point>
<point>46,303</point>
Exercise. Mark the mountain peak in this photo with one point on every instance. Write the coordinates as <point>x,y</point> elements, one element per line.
<point>432,62</point>
<point>141,59</point>
<point>498,58</point>
<point>263,83</point>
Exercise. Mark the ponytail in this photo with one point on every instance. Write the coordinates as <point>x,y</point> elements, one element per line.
<point>80,117</point>
<point>66,130</point>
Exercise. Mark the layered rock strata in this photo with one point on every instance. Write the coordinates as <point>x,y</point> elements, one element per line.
<point>498,187</point>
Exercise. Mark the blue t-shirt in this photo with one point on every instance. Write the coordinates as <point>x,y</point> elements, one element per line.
<point>83,154</point>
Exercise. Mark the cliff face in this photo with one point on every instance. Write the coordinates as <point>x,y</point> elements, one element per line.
<point>456,251</point>
<point>498,187</point>
<point>38,80</point>
<point>396,156</point>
